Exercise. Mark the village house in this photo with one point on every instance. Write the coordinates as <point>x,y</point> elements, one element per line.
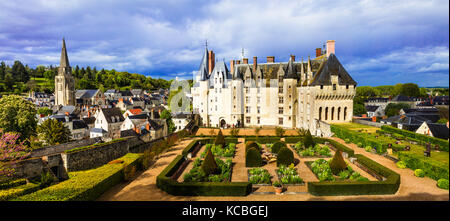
<point>107,123</point>
<point>434,130</point>
<point>374,111</point>
<point>132,112</point>
<point>90,97</point>
<point>143,124</point>
<point>180,120</point>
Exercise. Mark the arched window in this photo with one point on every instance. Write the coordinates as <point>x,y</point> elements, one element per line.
<point>345,113</point>
<point>339,113</point>
<point>332,113</point>
<point>320,113</point>
<point>326,113</point>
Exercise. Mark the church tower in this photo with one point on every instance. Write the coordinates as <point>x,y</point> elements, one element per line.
<point>64,82</point>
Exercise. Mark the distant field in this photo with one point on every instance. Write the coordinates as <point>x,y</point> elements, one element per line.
<point>40,81</point>
<point>356,127</point>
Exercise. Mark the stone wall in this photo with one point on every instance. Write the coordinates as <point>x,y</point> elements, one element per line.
<point>63,147</point>
<point>98,156</point>
<point>29,168</point>
<point>369,123</point>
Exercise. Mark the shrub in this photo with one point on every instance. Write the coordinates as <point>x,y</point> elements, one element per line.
<point>368,148</point>
<point>17,191</point>
<point>359,144</point>
<point>46,179</point>
<point>338,164</point>
<point>253,158</point>
<point>347,140</point>
<point>434,169</point>
<point>209,165</point>
<point>234,132</point>
<point>401,164</point>
<point>442,183</point>
<point>220,139</point>
<point>277,146</point>
<point>285,157</point>
<point>250,144</point>
<point>279,131</point>
<point>308,140</point>
<point>419,173</point>
<point>128,172</point>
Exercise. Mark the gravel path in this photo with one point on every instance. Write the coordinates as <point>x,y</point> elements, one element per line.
<point>143,188</point>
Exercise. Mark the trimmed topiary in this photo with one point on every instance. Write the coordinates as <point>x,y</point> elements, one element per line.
<point>209,165</point>
<point>338,164</point>
<point>250,144</point>
<point>253,158</point>
<point>308,140</point>
<point>401,164</point>
<point>419,173</point>
<point>277,146</point>
<point>443,183</point>
<point>285,157</point>
<point>220,139</point>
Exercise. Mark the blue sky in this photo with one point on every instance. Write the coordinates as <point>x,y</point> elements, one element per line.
<point>378,42</point>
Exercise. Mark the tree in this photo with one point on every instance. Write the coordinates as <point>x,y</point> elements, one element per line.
<point>337,164</point>
<point>367,92</point>
<point>45,111</point>
<point>53,132</point>
<point>359,109</point>
<point>410,90</point>
<point>11,151</point>
<point>2,70</point>
<point>397,90</point>
<point>17,115</point>
<point>220,139</point>
<point>19,72</point>
<point>393,109</point>
<point>9,81</point>
<point>308,140</point>
<point>209,165</point>
<point>165,114</point>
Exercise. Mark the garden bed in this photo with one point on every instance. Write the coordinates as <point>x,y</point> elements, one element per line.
<point>259,177</point>
<point>318,151</point>
<point>288,176</point>
<point>227,152</point>
<point>196,174</point>
<point>322,171</point>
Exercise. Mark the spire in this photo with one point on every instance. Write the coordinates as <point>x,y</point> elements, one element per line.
<point>203,70</point>
<point>237,74</point>
<point>64,62</point>
<point>290,70</point>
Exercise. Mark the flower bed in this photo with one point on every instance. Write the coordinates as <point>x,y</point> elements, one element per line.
<point>218,151</point>
<point>289,175</point>
<point>316,151</point>
<point>196,174</point>
<point>321,168</point>
<point>259,176</point>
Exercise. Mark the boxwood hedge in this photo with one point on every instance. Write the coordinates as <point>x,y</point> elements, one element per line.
<point>443,144</point>
<point>86,185</point>
<point>17,191</point>
<point>333,188</point>
<point>432,168</point>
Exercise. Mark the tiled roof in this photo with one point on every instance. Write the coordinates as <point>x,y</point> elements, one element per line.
<point>371,108</point>
<point>112,112</point>
<point>439,130</point>
<point>332,66</point>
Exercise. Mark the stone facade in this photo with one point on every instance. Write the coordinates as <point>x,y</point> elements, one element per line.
<point>286,94</point>
<point>64,81</point>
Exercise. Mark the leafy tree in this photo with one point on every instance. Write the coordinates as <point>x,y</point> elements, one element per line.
<point>17,115</point>
<point>9,81</point>
<point>165,114</point>
<point>2,70</point>
<point>45,111</point>
<point>359,109</point>
<point>19,72</point>
<point>442,121</point>
<point>53,132</point>
<point>308,140</point>
<point>367,92</point>
<point>11,150</point>
<point>392,109</point>
<point>410,89</point>
<point>397,89</point>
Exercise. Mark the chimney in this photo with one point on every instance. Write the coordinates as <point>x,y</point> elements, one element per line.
<point>238,61</point>
<point>255,63</point>
<point>318,52</point>
<point>374,119</point>
<point>120,99</point>
<point>232,66</point>
<point>270,59</point>
<point>211,61</point>
<point>245,60</point>
<point>66,113</point>
<point>89,114</point>
<point>330,47</point>
<point>147,126</point>
<point>293,57</point>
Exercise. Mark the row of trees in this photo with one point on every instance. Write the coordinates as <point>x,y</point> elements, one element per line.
<point>20,78</point>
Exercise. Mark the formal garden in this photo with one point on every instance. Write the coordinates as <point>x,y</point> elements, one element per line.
<point>425,155</point>
<point>241,165</point>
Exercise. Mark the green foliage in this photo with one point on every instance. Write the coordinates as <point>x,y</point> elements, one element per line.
<point>410,89</point>
<point>359,109</point>
<point>234,132</point>
<point>443,144</point>
<point>165,114</point>
<point>259,176</point>
<point>308,140</point>
<point>253,158</point>
<point>209,165</point>
<point>442,121</point>
<point>53,132</point>
<point>45,111</point>
<point>338,163</point>
<point>289,175</point>
<point>443,184</point>
<point>220,139</point>
<point>12,183</point>
<point>401,164</point>
<point>11,193</point>
<point>46,179</point>
<point>17,115</point>
<point>434,169</point>
<point>368,149</point>
<point>285,157</point>
<point>279,131</point>
<point>419,173</point>
<point>250,144</point>
<point>277,146</point>
<point>218,150</point>
<point>393,109</point>
<point>85,185</point>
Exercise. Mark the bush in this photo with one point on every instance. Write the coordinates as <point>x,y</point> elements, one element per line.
<point>434,169</point>
<point>347,140</point>
<point>293,139</point>
<point>401,164</point>
<point>46,179</point>
<point>359,144</point>
<point>308,140</point>
<point>277,146</point>
<point>368,149</point>
<point>220,139</point>
<point>11,193</point>
<point>442,183</point>
<point>443,144</point>
<point>279,131</point>
<point>234,132</point>
<point>253,158</point>
<point>285,157</point>
<point>128,172</point>
<point>250,144</point>
<point>209,165</point>
<point>338,164</point>
<point>419,173</point>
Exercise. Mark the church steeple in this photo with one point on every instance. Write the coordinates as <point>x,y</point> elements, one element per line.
<point>64,62</point>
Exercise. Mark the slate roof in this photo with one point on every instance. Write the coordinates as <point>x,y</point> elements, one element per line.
<point>291,72</point>
<point>203,69</point>
<point>98,130</point>
<point>332,66</point>
<point>439,130</point>
<point>86,94</point>
<point>128,133</point>
<point>112,112</point>
<point>126,93</point>
<point>136,91</point>
<point>89,120</point>
<point>64,61</point>
<point>78,124</point>
<point>401,98</point>
<point>371,108</point>
<point>69,108</point>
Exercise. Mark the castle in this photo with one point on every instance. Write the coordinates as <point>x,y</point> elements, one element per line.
<point>293,94</point>
<point>64,81</point>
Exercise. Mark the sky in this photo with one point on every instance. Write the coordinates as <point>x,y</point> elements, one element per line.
<point>378,42</point>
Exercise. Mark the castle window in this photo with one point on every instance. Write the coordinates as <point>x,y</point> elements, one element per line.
<point>247,109</point>
<point>280,121</point>
<point>259,109</point>
<point>289,86</point>
<point>259,120</point>
<point>280,89</point>
<point>247,90</point>
<point>280,110</point>
<point>247,99</point>
<point>334,87</point>
<point>280,100</point>
<point>247,120</point>
<point>346,86</point>
<point>321,87</point>
<point>258,99</point>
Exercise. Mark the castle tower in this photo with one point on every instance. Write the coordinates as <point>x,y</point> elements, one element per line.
<point>64,82</point>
